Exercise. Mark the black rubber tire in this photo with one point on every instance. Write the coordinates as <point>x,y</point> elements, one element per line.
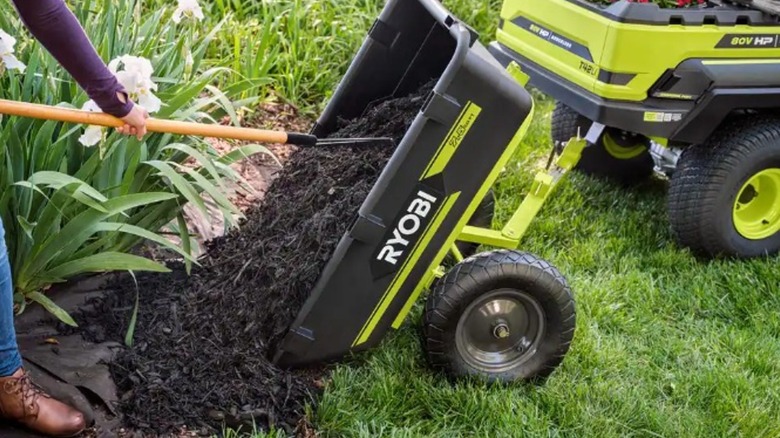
<point>479,275</point>
<point>482,217</point>
<point>596,160</point>
<point>707,181</point>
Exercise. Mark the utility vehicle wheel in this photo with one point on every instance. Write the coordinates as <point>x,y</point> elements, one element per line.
<point>482,217</point>
<point>620,156</point>
<point>724,198</point>
<point>499,316</point>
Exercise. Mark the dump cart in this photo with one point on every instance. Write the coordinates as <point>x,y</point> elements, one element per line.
<point>501,314</point>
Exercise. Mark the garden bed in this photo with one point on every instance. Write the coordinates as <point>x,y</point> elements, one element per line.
<point>256,172</point>
<point>202,343</point>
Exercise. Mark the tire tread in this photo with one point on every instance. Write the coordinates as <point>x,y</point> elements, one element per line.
<point>448,293</point>
<point>703,170</point>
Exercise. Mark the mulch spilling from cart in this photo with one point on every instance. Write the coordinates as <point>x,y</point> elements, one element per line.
<point>201,346</point>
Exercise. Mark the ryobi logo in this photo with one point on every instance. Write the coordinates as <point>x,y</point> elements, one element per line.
<point>407,227</point>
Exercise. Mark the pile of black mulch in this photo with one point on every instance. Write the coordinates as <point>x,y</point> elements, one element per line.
<point>202,343</point>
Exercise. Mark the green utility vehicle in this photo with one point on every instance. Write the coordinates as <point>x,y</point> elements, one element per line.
<point>691,94</point>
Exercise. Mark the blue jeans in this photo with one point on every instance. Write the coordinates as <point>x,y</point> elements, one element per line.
<point>10,360</point>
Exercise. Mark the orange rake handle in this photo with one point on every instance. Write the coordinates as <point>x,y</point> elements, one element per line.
<point>46,112</point>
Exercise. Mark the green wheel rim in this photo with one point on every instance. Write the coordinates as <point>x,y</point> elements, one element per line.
<point>757,207</point>
<point>621,152</point>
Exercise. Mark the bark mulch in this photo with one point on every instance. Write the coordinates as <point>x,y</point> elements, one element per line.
<point>202,346</point>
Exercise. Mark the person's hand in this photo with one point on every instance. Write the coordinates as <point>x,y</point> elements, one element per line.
<point>135,122</point>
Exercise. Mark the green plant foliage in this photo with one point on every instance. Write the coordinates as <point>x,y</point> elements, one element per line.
<point>69,209</point>
<point>298,49</point>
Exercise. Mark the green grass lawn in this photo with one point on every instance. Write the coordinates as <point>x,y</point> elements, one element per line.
<point>666,345</point>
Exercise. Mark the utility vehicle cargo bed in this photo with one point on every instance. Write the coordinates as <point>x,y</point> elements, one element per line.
<point>633,66</point>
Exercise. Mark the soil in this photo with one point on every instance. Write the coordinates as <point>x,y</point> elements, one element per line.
<point>203,341</point>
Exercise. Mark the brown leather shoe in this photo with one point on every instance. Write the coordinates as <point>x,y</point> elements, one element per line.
<point>24,402</point>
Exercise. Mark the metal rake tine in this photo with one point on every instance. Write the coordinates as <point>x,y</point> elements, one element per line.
<point>345,141</point>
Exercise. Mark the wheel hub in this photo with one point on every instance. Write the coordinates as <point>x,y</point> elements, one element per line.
<point>500,330</point>
<point>622,145</point>
<point>757,207</point>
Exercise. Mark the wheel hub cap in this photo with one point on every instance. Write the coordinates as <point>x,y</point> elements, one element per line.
<point>757,207</point>
<point>620,147</point>
<point>500,330</point>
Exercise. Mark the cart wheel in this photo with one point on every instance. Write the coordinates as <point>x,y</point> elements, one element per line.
<point>618,155</point>
<point>482,217</point>
<point>724,199</point>
<point>501,316</point>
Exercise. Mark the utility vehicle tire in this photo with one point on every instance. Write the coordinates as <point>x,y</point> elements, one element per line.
<point>724,198</point>
<point>619,156</point>
<point>482,217</point>
<point>499,316</point>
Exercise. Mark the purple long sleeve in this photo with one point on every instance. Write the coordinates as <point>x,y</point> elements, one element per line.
<point>58,30</point>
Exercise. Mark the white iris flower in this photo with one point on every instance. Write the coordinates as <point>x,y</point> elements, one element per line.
<point>7,58</point>
<point>136,78</point>
<point>187,9</point>
<point>93,134</point>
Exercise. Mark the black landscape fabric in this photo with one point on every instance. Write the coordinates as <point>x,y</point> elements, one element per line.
<point>202,342</point>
